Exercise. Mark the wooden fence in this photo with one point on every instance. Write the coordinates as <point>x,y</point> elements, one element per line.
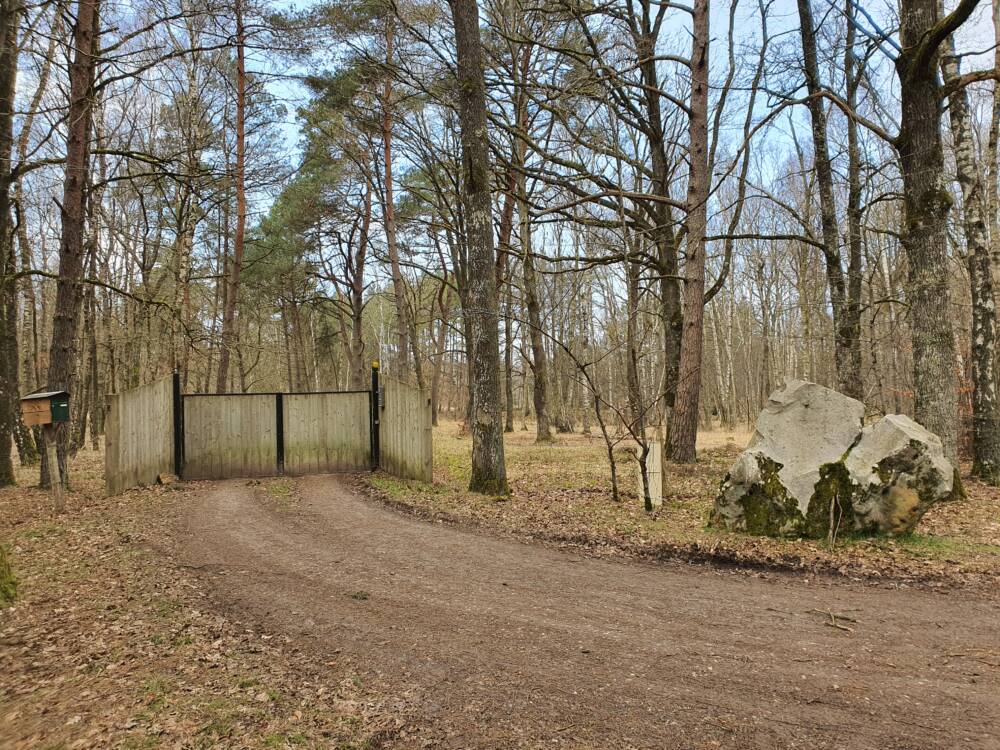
<point>327,432</point>
<point>156,430</point>
<point>139,436</point>
<point>405,447</point>
<point>230,436</point>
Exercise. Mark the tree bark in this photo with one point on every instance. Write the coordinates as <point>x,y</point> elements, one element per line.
<point>79,119</point>
<point>926,203</point>
<point>489,471</point>
<point>985,415</point>
<point>847,327</point>
<point>230,333</point>
<point>684,427</point>
<point>852,305</point>
<point>10,12</point>
<point>536,337</point>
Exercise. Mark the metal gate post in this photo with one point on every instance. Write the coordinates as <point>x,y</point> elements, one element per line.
<point>178,404</point>
<point>374,418</point>
<point>279,419</point>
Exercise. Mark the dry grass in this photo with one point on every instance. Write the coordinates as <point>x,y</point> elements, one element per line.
<point>562,493</point>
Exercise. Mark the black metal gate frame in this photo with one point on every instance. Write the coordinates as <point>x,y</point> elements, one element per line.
<point>374,421</point>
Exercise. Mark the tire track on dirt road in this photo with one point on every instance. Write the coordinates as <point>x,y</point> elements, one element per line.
<point>480,642</point>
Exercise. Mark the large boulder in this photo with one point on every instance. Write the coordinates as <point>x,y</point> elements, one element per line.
<point>811,464</point>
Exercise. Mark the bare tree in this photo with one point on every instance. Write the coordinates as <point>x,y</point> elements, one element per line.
<point>489,471</point>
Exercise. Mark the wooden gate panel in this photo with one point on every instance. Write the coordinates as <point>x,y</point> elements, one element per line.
<point>139,436</point>
<point>230,436</point>
<point>326,432</point>
<point>405,432</point>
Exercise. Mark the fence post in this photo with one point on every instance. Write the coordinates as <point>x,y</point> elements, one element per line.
<point>374,420</point>
<point>178,404</point>
<point>279,418</point>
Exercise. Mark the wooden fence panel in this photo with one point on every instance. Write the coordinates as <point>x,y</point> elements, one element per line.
<point>405,432</point>
<point>139,436</point>
<point>230,436</point>
<point>327,432</point>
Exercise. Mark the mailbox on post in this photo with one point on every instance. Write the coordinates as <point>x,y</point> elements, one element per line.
<point>50,407</point>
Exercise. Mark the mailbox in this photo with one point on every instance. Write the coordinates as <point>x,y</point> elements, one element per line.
<point>45,408</point>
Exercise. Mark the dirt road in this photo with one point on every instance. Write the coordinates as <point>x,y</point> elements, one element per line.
<point>488,643</point>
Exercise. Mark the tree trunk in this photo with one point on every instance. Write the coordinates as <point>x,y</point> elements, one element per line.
<point>230,333</point>
<point>62,351</point>
<point>847,331</point>
<point>684,427</point>
<point>671,312</point>
<point>539,358</point>
<point>985,423</point>
<point>403,323</point>
<point>851,329</point>
<point>10,13</point>
<point>926,203</point>
<point>489,471</point>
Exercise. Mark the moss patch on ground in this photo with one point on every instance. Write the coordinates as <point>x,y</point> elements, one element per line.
<point>8,581</point>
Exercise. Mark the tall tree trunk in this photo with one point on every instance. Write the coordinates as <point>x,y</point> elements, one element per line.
<point>684,427</point>
<point>356,280</point>
<point>671,311</point>
<point>993,154</point>
<point>10,13</point>
<point>230,332</point>
<point>539,358</point>
<point>79,119</point>
<point>847,331</point>
<point>403,323</point>
<point>985,415</point>
<point>926,203</point>
<point>851,330</point>
<point>489,471</point>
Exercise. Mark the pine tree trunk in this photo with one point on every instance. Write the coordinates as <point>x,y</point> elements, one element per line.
<point>230,334</point>
<point>489,471</point>
<point>404,327</point>
<point>62,351</point>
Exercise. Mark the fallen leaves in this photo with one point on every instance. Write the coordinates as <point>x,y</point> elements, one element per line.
<point>111,643</point>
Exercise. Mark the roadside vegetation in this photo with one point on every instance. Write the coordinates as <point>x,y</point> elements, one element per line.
<point>561,493</point>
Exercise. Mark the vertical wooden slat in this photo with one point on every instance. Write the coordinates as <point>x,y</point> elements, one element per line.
<point>326,432</point>
<point>406,441</point>
<point>139,440</point>
<point>229,436</point>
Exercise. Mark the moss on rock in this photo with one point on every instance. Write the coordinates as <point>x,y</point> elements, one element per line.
<point>831,503</point>
<point>765,507</point>
<point>8,582</point>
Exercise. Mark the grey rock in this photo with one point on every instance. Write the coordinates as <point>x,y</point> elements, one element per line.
<point>810,463</point>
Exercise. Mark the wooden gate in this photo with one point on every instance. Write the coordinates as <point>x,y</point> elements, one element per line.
<point>156,430</point>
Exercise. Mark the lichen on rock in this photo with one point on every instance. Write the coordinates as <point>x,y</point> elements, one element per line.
<point>811,466</point>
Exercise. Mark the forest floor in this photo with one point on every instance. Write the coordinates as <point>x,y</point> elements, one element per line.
<point>113,641</point>
<point>295,613</point>
<point>561,494</point>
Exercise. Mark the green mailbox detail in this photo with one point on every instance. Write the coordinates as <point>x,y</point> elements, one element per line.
<point>60,408</point>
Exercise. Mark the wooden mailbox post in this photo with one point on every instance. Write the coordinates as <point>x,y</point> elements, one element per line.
<point>49,410</point>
